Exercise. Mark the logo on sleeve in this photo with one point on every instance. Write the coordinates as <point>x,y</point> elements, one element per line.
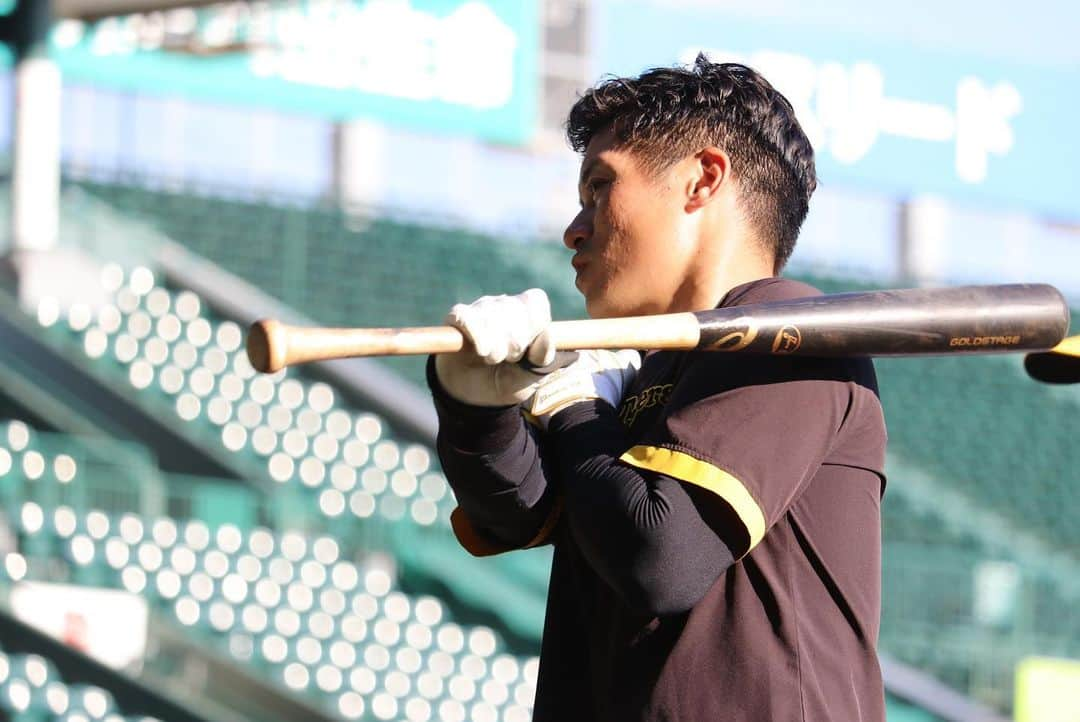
<point>632,406</point>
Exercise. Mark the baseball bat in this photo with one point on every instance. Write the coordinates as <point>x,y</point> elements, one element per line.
<point>1059,365</point>
<point>909,322</point>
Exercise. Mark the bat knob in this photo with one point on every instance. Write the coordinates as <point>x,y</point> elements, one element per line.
<point>266,346</point>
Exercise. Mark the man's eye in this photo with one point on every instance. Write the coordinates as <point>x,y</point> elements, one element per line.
<point>596,184</point>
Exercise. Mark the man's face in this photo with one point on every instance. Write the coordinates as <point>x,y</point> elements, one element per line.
<point>633,249</point>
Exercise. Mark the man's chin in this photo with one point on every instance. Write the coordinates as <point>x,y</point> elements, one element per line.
<point>593,308</point>
<point>604,306</point>
<point>600,307</point>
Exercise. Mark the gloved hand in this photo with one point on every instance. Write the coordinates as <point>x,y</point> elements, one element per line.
<point>502,330</point>
<point>596,374</point>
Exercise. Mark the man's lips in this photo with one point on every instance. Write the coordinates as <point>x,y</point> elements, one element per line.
<point>579,264</point>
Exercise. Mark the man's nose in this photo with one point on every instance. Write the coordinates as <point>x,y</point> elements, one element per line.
<point>579,230</point>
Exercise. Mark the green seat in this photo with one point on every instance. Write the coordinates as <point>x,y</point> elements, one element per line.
<point>95,702</point>
<point>477,583</point>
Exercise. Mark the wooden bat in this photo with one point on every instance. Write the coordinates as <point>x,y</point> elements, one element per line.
<point>910,322</point>
<point>1059,365</point>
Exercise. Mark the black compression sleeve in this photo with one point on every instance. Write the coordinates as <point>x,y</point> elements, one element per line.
<point>492,461</point>
<point>645,533</point>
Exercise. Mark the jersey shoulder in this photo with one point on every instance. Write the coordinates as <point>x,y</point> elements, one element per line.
<point>768,289</point>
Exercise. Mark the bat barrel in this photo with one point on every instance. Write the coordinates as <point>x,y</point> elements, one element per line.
<point>909,322</point>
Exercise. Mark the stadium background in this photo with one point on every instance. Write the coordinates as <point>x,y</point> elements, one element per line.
<point>210,544</point>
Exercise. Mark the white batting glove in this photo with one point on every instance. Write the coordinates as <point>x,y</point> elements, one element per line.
<point>502,331</point>
<point>595,375</point>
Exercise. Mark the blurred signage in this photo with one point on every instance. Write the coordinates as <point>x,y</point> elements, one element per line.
<point>106,624</point>
<point>904,120</point>
<point>997,592</point>
<point>462,66</point>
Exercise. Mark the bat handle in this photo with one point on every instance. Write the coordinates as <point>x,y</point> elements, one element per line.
<point>272,345</point>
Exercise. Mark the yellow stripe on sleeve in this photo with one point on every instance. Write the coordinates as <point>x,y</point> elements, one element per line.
<point>684,467</point>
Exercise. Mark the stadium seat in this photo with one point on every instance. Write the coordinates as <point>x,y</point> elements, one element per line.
<point>292,433</point>
<point>31,690</point>
<point>339,633</point>
<point>990,433</point>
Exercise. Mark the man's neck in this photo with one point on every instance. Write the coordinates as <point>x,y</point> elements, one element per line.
<point>701,294</point>
<point>728,255</point>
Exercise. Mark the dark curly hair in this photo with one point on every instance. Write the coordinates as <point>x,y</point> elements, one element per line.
<point>666,114</point>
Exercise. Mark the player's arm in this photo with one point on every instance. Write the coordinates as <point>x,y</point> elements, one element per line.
<point>492,461</point>
<point>643,532</point>
<point>489,455</point>
<point>660,521</point>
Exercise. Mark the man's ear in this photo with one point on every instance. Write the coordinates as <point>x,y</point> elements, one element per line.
<point>712,170</point>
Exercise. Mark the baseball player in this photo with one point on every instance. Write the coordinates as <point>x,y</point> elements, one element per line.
<point>715,517</point>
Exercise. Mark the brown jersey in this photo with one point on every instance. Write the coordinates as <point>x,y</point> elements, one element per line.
<point>785,457</point>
